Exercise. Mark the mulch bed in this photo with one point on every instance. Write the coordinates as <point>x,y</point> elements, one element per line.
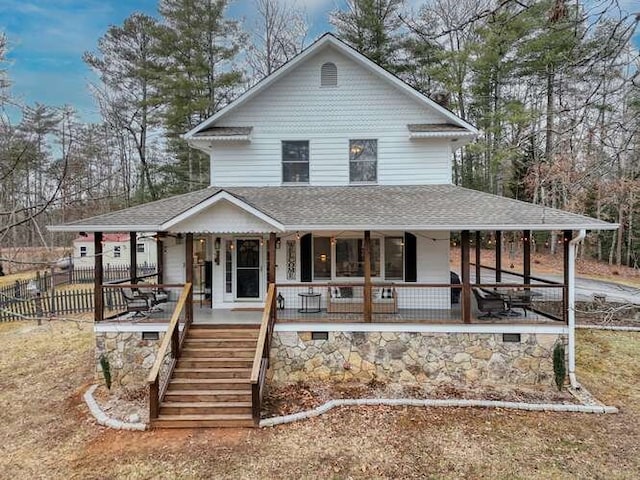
<point>298,397</point>
<point>125,404</point>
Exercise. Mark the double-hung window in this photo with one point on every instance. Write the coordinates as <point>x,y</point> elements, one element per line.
<point>363,161</point>
<point>295,161</point>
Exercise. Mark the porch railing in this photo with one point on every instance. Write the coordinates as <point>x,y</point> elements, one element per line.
<point>168,353</point>
<point>416,302</point>
<point>261,358</point>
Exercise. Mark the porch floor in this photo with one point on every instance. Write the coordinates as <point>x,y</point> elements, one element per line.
<point>208,315</point>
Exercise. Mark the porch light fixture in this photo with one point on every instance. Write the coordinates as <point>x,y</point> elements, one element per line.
<point>216,244</point>
<point>278,243</point>
<point>323,257</point>
<point>297,235</point>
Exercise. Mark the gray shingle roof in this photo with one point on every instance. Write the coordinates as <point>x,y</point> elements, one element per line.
<point>379,207</point>
<point>224,132</point>
<point>435,127</point>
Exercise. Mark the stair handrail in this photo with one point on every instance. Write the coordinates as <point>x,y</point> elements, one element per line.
<point>171,337</point>
<point>261,357</point>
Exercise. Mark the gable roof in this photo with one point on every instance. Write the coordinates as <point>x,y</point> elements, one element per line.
<point>367,207</point>
<point>325,41</point>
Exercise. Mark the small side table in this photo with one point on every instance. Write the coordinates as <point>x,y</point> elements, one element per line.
<point>307,300</point>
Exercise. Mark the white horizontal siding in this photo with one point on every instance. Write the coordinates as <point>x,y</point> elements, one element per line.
<point>221,218</point>
<point>361,106</point>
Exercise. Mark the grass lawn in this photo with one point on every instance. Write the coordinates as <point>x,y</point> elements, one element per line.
<point>45,431</point>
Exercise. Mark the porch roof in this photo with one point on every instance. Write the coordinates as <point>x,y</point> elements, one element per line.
<point>365,207</point>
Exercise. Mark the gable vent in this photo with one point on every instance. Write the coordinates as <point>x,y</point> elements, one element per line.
<point>329,75</point>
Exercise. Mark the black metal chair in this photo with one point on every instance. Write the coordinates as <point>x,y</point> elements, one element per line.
<point>138,304</point>
<point>488,303</point>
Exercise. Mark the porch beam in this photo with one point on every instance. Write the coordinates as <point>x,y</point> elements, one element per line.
<point>478,270</point>
<point>526,253</point>
<point>133,256</point>
<point>98,277</point>
<point>188,261</point>
<point>566,256</point>
<point>367,276</point>
<point>466,285</point>
<point>271,274</point>
<point>498,256</point>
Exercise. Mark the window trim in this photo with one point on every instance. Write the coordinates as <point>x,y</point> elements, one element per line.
<point>83,251</point>
<point>117,251</point>
<point>282,162</point>
<point>362,182</point>
<point>140,247</point>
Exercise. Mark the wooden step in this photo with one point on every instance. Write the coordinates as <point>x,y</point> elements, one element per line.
<point>212,373</point>
<point>196,421</point>
<point>220,343</point>
<point>239,333</point>
<point>193,396</point>
<point>216,362</point>
<point>209,384</point>
<point>205,408</point>
<point>218,352</point>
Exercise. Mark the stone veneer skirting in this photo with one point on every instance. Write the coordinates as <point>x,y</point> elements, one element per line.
<point>130,357</point>
<point>414,357</point>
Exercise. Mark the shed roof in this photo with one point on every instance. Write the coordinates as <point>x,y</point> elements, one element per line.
<point>366,207</point>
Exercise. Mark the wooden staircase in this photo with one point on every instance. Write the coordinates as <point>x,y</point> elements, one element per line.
<point>211,383</point>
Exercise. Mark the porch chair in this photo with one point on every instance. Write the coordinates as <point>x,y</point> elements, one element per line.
<point>488,303</point>
<point>138,304</point>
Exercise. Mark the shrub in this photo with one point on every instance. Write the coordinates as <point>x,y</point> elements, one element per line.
<point>559,366</point>
<point>106,370</point>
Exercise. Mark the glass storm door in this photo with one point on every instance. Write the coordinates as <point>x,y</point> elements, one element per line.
<point>248,269</point>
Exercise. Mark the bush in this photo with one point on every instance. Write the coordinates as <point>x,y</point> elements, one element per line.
<point>559,366</point>
<point>106,370</point>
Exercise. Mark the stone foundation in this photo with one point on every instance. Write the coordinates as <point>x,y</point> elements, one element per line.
<point>130,357</point>
<point>476,358</point>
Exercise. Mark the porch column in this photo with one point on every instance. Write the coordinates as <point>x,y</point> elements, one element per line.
<point>498,256</point>
<point>133,256</point>
<point>566,256</point>
<point>466,286</point>
<point>188,259</point>
<point>478,273</point>
<point>271,274</point>
<point>98,277</point>
<point>160,257</point>
<point>526,253</point>
<point>367,276</point>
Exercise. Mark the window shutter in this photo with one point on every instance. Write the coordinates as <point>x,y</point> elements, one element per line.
<point>328,75</point>
<point>410,258</point>
<point>306,260</point>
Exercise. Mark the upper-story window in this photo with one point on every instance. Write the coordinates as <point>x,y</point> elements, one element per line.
<point>329,75</point>
<point>116,252</point>
<point>295,161</point>
<point>363,161</point>
<point>83,251</point>
<point>140,247</point>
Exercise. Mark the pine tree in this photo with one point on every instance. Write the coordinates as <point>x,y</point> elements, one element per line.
<point>195,78</point>
<point>372,28</point>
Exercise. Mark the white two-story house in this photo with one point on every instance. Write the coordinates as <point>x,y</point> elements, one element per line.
<point>331,197</point>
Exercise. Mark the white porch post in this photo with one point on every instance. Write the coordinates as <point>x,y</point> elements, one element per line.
<point>571,301</point>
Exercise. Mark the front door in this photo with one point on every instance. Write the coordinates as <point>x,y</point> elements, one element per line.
<point>248,269</point>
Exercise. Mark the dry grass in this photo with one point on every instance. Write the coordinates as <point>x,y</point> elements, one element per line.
<point>44,431</point>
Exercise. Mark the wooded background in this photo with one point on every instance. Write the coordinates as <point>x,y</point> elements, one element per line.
<point>552,84</point>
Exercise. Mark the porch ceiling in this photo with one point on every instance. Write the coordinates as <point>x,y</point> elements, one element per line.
<point>366,207</point>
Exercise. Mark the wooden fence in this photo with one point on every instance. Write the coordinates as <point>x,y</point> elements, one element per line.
<point>43,281</point>
<point>56,303</point>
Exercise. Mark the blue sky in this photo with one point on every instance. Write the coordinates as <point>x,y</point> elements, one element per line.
<point>48,37</point>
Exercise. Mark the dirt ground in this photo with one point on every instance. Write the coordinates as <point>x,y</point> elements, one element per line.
<point>45,431</point>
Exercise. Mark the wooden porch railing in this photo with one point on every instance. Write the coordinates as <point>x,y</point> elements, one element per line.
<point>261,358</point>
<point>171,344</point>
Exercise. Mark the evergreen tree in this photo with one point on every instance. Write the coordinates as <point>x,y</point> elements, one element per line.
<point>195,78</point>
<point>124,63</point>
<point>372,28</point>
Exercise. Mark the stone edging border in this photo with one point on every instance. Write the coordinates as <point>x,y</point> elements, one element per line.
<point>410,402</point>
<point>102,417</point>
<point>609,327</point>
